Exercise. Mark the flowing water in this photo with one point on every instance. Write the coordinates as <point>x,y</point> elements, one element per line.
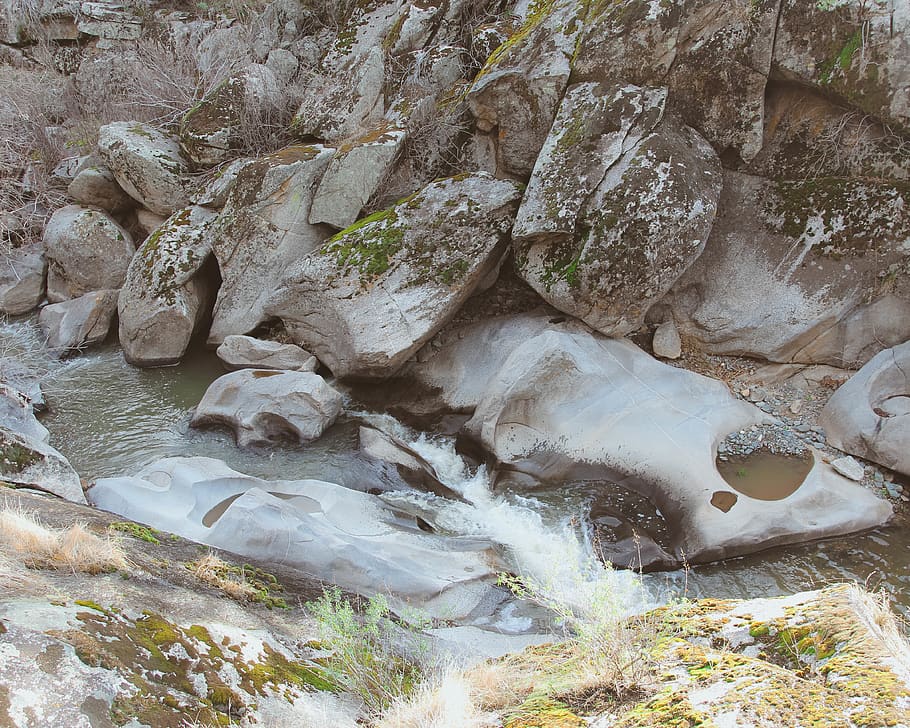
<point>109,419</point>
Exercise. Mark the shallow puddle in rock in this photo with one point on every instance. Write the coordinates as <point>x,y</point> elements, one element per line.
<point>764,475</point>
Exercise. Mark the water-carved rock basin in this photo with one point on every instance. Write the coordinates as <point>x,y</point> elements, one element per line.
<point>764,475</point>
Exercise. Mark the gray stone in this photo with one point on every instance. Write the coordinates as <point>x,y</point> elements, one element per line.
<point>344,537</point>
<point>146,163</point>
<point>558,402</point>
<point>263,231</point>
<point>74,325</point>
<point>861,419</point>
<point>22,277</point>
<point>18,414</point>
<point>165,296</point>
<point>29,462</point>
<point>368,299</point>
<point>87,250</point>
<point>109,20</point>
<point>849,468</point>
<point>245,352</point>
<point>214,192</point>
<point>519,88</point>
<point>262,406</point>
<point>283,64</point>
<point>95,186</point>
<point>354,174</point>
<point>666,342</point>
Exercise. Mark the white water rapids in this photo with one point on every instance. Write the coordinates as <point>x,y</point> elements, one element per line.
<point>554,557</point>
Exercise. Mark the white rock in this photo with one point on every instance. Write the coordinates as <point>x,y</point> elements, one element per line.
<point>666,342</point>
<point>74,325</point>
<point>22,275</point>
<point>246,352</point>
<point>849,468</point>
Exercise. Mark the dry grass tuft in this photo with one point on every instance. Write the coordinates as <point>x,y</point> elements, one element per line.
<point>24,539</point>
<point>446,701</point>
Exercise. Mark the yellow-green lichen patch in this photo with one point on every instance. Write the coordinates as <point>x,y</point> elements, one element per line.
<point>178,675</point>
<point>540,711</point>
<point>15,457</point>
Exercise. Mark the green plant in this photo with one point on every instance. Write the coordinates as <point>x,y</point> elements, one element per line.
<point>367,654</point>
<point>741,473</point>
<point>143,533</point>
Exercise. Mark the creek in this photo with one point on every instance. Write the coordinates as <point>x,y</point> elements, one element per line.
<point>109,418</point>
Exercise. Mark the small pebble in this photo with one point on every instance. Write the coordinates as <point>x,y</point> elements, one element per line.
<point>796,406</point>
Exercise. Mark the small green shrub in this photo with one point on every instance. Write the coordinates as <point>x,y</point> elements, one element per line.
<point>367,658</point>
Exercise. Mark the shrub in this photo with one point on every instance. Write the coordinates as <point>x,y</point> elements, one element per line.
<point>367,658</point>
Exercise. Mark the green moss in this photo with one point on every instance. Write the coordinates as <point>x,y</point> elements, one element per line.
<point>15,458</point>
<point>368,245</point>
<point>541,711</point>
<point>136,530</point>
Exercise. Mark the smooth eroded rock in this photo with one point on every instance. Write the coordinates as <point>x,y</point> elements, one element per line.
<point>22,280</point>
<point>246,352</point>
<point>869,416</point>
<point>262,406</point>
<point>29,462</point>
<point>74,325</point>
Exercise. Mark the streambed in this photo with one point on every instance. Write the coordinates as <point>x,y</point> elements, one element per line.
<point>110,419</point>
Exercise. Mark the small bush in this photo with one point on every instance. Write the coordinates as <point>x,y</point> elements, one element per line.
<point>366,657</point>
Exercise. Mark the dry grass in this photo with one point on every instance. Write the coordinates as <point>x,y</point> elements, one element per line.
<point>23,539</point>
<point>447,701</point>
<point>874,609</point>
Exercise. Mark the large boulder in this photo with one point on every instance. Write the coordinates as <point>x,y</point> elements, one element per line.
<point>72,326</point>
<point>713,56</point>
<point>22,276</point>
<point>374,293</point>
<point>246,352</point>
<point>344,537</point>
<point>262,406</point>
<point>620,204</point>
<point>558,402</point>
<point>869,416</point>
<point>811,271</point>
<point>237,106</point>
<point>17,413</point>
<point>261,232</point>
<point>354,174</point>
<point>166,295</point>
<point>87,250</point>
<point>854,50</point>
<point>518,90</point>
<point>29,462</point>
<point>146,163</point>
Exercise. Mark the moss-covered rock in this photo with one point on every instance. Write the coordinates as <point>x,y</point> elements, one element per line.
<point>713,56</point>
<point>811,271</point>
<point>605,243</point>
<point>368,298</point>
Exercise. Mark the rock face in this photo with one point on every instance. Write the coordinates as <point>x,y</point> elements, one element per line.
<point>212,128</point>
<point>22,274</point>
<point>606,246</point>
<point>165,297</point>
<point>18,414</point>
<point>74,325</point>
<point>344,537</point>
<point>713,57</point>
<point>368,299</point>
<point>856,51</point>
<point>29,462</point>
<point>146,163</point>
<point>261,232</point>
<point>518,90</point>
<point>566,403</point>
<point>86,251</point>
<point>245,352</point>
<point>811,271</point>
<point>869,416</point>
<point>262,406</point>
